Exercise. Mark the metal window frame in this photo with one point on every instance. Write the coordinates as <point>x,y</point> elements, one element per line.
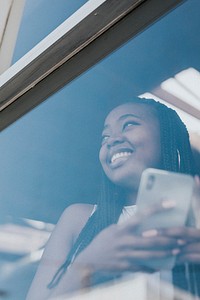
<point>91,33</point>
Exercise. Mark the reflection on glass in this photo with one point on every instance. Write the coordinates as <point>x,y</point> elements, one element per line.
<point>49,158</point>
<point>40,17</point>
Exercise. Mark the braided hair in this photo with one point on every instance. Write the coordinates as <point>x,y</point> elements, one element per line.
<point>176,155</point>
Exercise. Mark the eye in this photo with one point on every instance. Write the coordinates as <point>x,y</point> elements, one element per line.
<point>130,124</point>
<point>104,138</point>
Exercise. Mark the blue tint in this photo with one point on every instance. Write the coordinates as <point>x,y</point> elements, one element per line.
<point>40,17</point>
<point>49,158</point>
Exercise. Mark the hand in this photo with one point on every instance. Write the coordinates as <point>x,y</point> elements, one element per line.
<point>119,248</point>
<point>189,240</point>
<point>188,237</point>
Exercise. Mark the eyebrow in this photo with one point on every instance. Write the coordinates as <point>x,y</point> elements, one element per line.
<point>122,118</point>
<point>129,115</point>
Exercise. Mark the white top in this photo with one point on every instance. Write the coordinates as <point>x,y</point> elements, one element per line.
<point>127,212</point>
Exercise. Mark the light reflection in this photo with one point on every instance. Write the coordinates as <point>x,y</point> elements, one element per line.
<point>39,224</point>
<point>9,268</point>
<point>185,85</point>
<point>192,123</point>
<point>21,240</point>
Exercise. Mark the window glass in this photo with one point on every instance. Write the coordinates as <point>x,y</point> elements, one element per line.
<point>49,157</point>
<point>40,17</point>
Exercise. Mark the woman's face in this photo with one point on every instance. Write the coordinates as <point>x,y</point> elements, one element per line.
<point>130,144</point>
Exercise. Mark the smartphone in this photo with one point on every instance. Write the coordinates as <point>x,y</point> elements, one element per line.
<point>157,186</point>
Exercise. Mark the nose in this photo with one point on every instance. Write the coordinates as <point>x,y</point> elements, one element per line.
<point>114,140</point>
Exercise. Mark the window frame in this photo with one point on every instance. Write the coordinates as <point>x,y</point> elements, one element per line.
<point>71,49</point>
<point>10,16</point>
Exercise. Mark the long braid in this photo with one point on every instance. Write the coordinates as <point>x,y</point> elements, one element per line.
<point>107,212</point>
<point>176,156</point>
<point>175,145</point>
<point>168,143</point>
<point>187,164</point>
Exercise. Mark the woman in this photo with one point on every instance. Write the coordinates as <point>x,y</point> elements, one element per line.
<point>91,244</point>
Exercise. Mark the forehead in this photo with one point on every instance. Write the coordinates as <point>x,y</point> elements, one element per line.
<point>140,111</point>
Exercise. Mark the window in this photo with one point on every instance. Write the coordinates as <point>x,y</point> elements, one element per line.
<point>49,157</point>
<point>10,16</point>
<point>39,19</point>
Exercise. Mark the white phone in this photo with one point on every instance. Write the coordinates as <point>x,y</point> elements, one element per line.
<point>157,186</point>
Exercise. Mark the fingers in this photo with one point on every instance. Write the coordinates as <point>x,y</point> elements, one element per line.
<point>139,260</point>
<point>190,253</point>
<point>191,248</point>
<point>197,180</point>
<point>189,257</point>
<point>165,205</point>
<point>135,221</point>
<point>153,242</point>
<point>141,255</point>
<point>187,234</point>
<point>125,266</point>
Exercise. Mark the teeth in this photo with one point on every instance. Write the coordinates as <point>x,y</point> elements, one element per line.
<point>119,155</point>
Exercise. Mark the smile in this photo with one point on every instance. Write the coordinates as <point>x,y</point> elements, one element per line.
<point>119,155</point>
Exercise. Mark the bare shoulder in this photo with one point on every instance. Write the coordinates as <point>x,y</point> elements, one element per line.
<point>61,241</point>
<point>82,208</point>
<point>79,212</point>
<point>75,216</point>
<point>70,224</point>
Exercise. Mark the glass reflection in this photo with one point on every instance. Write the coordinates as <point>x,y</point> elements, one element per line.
<point>49,158</point>
<point>40,17</point>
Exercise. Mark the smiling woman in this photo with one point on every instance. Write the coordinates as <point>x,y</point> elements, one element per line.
<point>131,137</point>
<point>49,158</point>
<point>137,135</point>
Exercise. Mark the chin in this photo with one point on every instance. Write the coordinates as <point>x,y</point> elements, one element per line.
<point>129,182</point>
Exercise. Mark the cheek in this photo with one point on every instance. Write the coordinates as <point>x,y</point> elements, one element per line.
<point>153,159</point>
<point>154,151</point>
<point>102,156</point>
<point>103,160</point>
